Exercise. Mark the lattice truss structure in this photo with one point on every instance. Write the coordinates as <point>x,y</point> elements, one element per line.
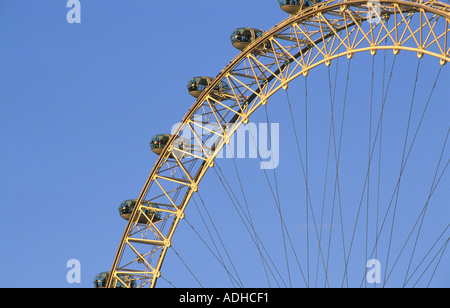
<point>313,37</point>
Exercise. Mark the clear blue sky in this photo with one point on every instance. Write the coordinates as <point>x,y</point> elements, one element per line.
<point>79,104</point>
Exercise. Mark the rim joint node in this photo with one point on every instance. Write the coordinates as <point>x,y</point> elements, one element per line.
<point>420,53</point>
<point>349,53</point>
<point>156,274</point>
<point>226,138</point>
<point>181,215</point>
<point>373,50</point>
<point>167,243</point>
<point>396,51</point>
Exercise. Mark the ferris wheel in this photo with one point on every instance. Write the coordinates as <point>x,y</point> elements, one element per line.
<point>361,170</point>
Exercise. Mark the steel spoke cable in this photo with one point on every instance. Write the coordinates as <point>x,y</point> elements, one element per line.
<point>325,179</point>
<point>249,217</point>
<point>212,238</point>
<point>255,239</point>
<point>412,143</point>
<point>444,246</point>
<point>168,281</point>
<point>426,255</point>
<point>337,154</point>
<point>380,151</point>
<point>187,267</point>
<point>439,261</point>
<point>323,205</point>
<point>447,226</point>
<point>367,172</point>
<point>420,217</point>
<point>231,194</point>
<point>332,100</point>
<point>406,160</point>
<point>306,175</point>
<point>379,158</point>
<point>306,182</point>
<point>278,195</point>
<point>276,199</point>
<point>217,234</point>
<point>426,204</point>
<point>401,164</point>
<point>271,152</point>
<point>212,252</point>
<point>368,159</point>
<point>254,236</point>
<point>284,228</point>
<point>219,257</point>
<point>423,211</point>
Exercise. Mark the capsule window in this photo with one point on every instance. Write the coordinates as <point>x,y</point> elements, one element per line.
<point>309,3</point>
<point>198,84</point>
<point>101,279</point>
<point>290,2</point>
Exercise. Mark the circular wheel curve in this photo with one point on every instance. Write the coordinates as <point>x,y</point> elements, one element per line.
<point>271,68</point>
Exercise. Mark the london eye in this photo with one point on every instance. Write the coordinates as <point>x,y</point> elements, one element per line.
<point>355,169</point>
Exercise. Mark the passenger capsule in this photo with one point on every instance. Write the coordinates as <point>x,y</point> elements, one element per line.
<point>291,6</point>
<point>198,84</point>
<point>127,206</point>
<point>101,279</point>
<point>159,142</point>
<point>242,37</point>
